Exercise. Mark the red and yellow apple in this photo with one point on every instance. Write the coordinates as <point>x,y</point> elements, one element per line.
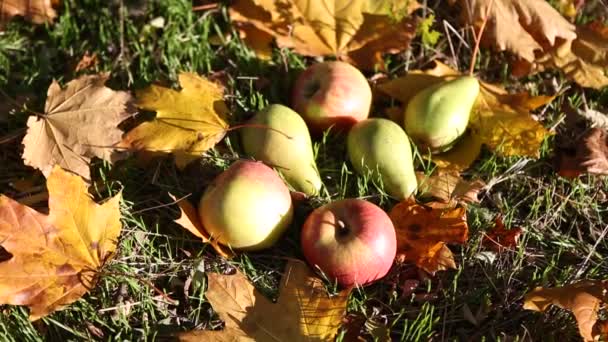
<point>332,94</point>
<point>246,207</point>
<point>351,241</point>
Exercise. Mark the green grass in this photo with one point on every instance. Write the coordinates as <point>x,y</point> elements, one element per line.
<point>562,219</point>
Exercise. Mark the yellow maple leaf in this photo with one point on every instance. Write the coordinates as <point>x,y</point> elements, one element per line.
<point>584,299</point>
<point>303,312</point>
<point>187,123</point>
<point>54,258</point>
<point>498,119</point>
<point>355,30</point>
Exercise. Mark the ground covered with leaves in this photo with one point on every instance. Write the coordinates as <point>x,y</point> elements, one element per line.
<point>521,203</point>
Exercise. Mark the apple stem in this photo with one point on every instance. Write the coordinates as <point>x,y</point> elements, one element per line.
<point>342,229</point>
<point>478,38</point>
<point>257,126</point>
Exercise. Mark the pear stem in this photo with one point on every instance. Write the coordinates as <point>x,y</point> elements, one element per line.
<point>232,128</point>
<point>478,38</point>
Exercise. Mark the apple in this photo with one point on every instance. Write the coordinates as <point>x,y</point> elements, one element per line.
<point>332,94</point>
<point>352,241</point>
<point>246,207</point>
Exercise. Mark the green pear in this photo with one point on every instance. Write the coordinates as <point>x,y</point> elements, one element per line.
<point>278,136</point>
<point>381,147</point>
<point>438,115</point>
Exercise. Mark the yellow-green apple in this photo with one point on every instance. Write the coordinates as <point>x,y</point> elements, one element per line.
<point>246,207</point>
<point>352,241</point>
<point>332,94</point>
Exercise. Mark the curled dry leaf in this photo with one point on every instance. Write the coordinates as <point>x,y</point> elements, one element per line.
<point>583,60</point>
<point>500,238</point>
<point>423,231</point>
<point>449,188</point>
<point>55,258</point>
<point>187,123</point>
<point>79,123</point>
<point>583,299</point>
<point>358,31</point>
<point>35,11</point>
<point>519,26</point>
<point>303,312</point>
<point>590,157</point>
<point>500,120</point>
<point>190,221</point>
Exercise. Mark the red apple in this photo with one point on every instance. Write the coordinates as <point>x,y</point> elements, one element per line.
<point>332,94</point>
<point>352,241</point>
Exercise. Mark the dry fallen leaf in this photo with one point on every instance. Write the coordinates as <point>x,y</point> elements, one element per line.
<point>35,11</point>
<point>500,120</point>
<point>187,123</point>
<point>583,299</point>
<point>190,221</point>
<point>79,123</point>
<point>303,312</point>
<point>590,157</point>
<point>449,188</point>
<point>500,238</point>
<point>519,26</point>
<point>423,231</point>
<point>55,258</point>
<point>355,30</point>
<point>584,60</point>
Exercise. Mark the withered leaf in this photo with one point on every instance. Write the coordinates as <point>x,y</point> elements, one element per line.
<point>500,238</point>
<point>303,312</point>
<point>35,11</point>
<point>591,156</point>
<point>358,31</point>
<point>519,26</point>
<point>583,299</point>
<point>449,188</point>
<point>79,123</point>
<point>55,257</point>
<point>500,120</point>
<point>189,220</point>
<point>583,60</point>
<point>187,123</point>
<point>423,231</point>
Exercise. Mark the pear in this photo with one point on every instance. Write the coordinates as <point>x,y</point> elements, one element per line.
<point>381,147</point>
<point>438,115</point>
<point>284,143</point>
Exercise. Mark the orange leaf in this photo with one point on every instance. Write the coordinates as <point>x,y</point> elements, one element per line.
<point>583,299</point>
<point>54,258</point>
<point>190,221</point>
<point>500,238</point>
<point>422,232</point>
<point>35,11</point>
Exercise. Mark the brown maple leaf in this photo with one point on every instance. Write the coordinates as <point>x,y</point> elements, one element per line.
<point>35,11</point>
<point>303,312</point>
<point>519,26</point>
<point>54,258</point>
<point>584,299</point>
<point>79,123</point>
<point>590,157</point>
<point>423,231</point>
<point>355,30</point>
